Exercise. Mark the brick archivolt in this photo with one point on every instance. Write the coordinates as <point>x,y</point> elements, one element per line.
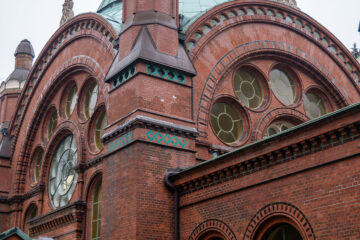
<point>86,25</point>
<point>212,225</point>
<point>275,210</point>
<point>242,12</point>
<point>81,61</point>
<point>263,48</point>
<point>264,122</point>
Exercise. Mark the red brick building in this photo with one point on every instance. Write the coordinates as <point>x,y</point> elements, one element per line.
<point>183,119</point>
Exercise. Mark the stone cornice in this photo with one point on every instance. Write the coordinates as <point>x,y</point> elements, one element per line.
<point>327,140</point>
<point>39,188</point>
<point>74,212</point>
<point>150,123</point>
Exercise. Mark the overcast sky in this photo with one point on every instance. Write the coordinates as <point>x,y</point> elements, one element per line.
<point>37,20</point>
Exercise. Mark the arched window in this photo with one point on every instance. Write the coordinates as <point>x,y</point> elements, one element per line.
<point>31,213</point>
<point>101,123</point>
<point>226,122</point>
<point>283,232</point>
<point>96,212</point>
<point>90,100</point>
<point>211,235</point>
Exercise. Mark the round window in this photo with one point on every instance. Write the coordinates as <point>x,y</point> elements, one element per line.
<point>52,124</point>
<point>226,122</point>
<point>90,100</point>
<point>278,127</point>
<point>63,177</point>
<point>71,101</point>
<point>248,89</point>
<point>283,87</point>
<point>37,165</point>
<point>101,123</point>
<point>314,106</point>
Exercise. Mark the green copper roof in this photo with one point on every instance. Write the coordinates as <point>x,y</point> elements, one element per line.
<point>111,10</point>
<point>190,10</point>
<point>14,231</point>
<point>193,9</point>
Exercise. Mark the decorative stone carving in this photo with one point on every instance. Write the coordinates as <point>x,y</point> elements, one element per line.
<point>68,12</point>
<point>291,3</point>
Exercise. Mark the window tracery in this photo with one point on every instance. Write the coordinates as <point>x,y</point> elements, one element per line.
<point>314,105</point>
<point>226,122</point>
<point>62,176</point>
<point>71,101</point>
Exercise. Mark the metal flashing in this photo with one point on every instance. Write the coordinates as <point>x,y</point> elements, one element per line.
<point>144,48</point>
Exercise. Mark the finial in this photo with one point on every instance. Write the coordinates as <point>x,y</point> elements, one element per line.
<point>67,12</point>
<point>291,3</point>
<point>355,51</point>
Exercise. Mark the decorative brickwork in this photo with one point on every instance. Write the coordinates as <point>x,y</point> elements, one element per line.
<point>213,225</point>
<point>120,142</point>
<point>275,210</point>
<point>166,73</point>
<point>166,139</point>
<point>289,153</point>
<point>259,48</point>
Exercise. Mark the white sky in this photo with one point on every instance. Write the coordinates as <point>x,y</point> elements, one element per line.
<point>37,20</point>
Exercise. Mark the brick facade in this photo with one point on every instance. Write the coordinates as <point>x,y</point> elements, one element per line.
<point>165,172</point>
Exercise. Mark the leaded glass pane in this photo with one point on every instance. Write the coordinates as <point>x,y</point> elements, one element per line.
<point>37,166</point>
<point>283,87</point>
<point>52,124</point>
<point>283,232</point>
<point>248,89</point>
<point>96,212</point>
<point>278,127</point>
<point>63,177</point>
<point>71,101</point>
<point>99,130</point>
<point>90,100</point>
<point>314,106</point>
<point>226,122</point>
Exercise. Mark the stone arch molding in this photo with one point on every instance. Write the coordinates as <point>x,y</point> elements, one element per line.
<point>212,225</point>
<point>258,48</point>
<point>36,114</point>
<point>279,209</point>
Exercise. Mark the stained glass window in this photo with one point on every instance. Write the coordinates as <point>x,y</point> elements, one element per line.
<point>278,126</point>
<point>101,123</point>
<point>226,122</point>
<point>283,232</point>
<point>314,105</point>
<point>71,101</point>
<point>52,124</point>
<point>63,177</point>
<point>90,100</point>
<point>248,89</point>
<point>283,87</point>
<point>37,166</point>
<point>96,212</point>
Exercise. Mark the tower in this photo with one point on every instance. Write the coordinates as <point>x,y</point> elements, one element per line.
<point>150,119</point>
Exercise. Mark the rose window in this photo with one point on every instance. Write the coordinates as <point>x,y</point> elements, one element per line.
<point>63,177</point>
